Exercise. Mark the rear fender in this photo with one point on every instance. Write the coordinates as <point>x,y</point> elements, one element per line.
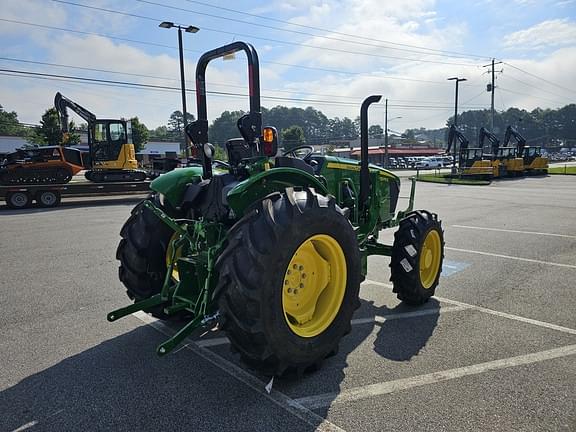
<point>173,184</point>
<point>257,187</point>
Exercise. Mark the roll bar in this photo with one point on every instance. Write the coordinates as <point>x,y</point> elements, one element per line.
<point>250,125</point>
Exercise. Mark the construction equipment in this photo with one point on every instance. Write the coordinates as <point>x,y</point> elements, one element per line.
<point>504,160</point>
<point>533,161</point>
<point>112,154</point>
<point>274,247</point>
<point>41,165</point>
<point>471,160</point>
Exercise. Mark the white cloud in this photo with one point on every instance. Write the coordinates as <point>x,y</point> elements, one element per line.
<point>550,33</point>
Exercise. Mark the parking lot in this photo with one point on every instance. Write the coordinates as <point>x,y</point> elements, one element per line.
<point>495,350</point>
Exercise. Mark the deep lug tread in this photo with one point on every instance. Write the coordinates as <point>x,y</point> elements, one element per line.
<point>249,268</point>
<point>412,231</point>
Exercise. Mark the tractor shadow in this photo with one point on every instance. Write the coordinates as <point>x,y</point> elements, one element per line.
<point>121,385</point>
<point>394,341</point>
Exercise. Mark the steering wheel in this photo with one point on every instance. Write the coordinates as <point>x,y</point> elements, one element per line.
<point>292,152</point>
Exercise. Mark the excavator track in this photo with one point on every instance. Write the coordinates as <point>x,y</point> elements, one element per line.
<point>107,176</point>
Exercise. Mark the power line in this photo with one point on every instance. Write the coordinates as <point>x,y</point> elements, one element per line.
<point>269,39</point>
<point>352,73</point>
<point>332,30</point>
<point>538,88</point>
<point>530,95</point>
<point>540,78</point>
<point>260,25</point>
<point>211,83</point>
<point>127,84</point>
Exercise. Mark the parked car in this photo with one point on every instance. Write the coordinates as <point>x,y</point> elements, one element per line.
<point>430,162</point>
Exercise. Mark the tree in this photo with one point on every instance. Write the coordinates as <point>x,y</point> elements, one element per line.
<point>49,131</point>
<point>139,134</point>
<point>175,123</point>
<point>224,127</point>
<point>9,124</point>
<point>292,137</point>
<point>375,131</point>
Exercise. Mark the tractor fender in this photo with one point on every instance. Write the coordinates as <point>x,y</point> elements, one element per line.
<point>257,187</point>
<point>173,184</point>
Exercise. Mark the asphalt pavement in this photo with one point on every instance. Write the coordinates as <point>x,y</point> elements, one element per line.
<point>494,351</point>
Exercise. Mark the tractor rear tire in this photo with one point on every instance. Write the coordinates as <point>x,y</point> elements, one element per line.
<point>142,255</point>
<point>417,256</point>
<point>255,275</point>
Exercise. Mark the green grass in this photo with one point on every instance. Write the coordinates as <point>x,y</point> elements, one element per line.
<point>569,170</point>
<point>446,179</point>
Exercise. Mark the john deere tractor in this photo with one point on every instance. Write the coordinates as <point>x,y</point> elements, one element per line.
<point>273,247</point>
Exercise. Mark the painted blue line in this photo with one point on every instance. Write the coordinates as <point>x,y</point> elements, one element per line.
<point>450,268</point>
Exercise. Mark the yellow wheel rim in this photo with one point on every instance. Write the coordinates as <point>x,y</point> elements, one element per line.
<point>178,254</point>
<point>430,256</point>
<point>314,285</point>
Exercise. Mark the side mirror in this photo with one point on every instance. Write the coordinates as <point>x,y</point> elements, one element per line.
<point>270,140</point>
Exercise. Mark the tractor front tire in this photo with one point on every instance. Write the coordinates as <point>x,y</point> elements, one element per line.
<point>289,280</point>
<point>417,256</point>
<point>142,255</point>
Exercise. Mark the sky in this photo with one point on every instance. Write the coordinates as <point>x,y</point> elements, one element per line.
<point>329,54</point>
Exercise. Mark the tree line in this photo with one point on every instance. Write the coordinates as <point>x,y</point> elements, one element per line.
<point>299,126</point>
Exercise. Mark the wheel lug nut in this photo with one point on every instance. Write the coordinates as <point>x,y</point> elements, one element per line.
<point>295,291</point>
<point>288,272</point>
<point>286,282</point>
<point>289,290</point>
<point>294,266</point>
<point>301,268</point>
<point>301,285</point>
<point>303,275</point>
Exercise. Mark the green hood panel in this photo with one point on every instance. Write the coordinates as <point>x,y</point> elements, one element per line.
<point>264,183</point>
<point>173,184</point>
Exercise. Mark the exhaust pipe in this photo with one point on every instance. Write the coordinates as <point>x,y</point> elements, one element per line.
<point>365,185</point>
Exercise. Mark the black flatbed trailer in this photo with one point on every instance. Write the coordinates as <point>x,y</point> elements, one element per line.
<point>50,195</point>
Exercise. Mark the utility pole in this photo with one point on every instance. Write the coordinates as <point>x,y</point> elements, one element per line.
<point>386,135</point>
<point>491,88</point>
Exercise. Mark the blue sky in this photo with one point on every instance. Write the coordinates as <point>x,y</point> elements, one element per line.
<point>337,53</point>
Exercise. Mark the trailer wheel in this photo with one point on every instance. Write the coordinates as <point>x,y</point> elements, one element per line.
<point>18,200</point>
<point>417,256</point>
<point>289,281</point>
<point>48,198</point>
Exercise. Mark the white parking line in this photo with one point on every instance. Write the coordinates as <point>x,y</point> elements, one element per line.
<point>358,321</point>
<point>327,399</point>
<point>513,231</point>
<point>491,311</point>
<point>511,257</point>
<point>277,397</point>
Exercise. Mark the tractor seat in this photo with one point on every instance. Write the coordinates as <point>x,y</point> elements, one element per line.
<point>290,162</point>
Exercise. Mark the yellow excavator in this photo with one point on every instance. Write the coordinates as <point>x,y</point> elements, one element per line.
<point>533,161</point>
<point>112,156</point>
<point>504,159</point>
<point>471,160</point>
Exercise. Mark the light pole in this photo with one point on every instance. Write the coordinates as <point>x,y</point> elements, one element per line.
<point>456,98</point>
<point>455,116</point>
<point>189,29</point>
<point>386,134</point>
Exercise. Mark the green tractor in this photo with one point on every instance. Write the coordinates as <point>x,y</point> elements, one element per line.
<point>273,248</point>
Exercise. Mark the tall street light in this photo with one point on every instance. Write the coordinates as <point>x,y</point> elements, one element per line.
<point>455,117</point>
<point>189,29</point>
<point>456,98</point>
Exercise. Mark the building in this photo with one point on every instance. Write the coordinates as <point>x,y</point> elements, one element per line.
<point>376,154</point>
